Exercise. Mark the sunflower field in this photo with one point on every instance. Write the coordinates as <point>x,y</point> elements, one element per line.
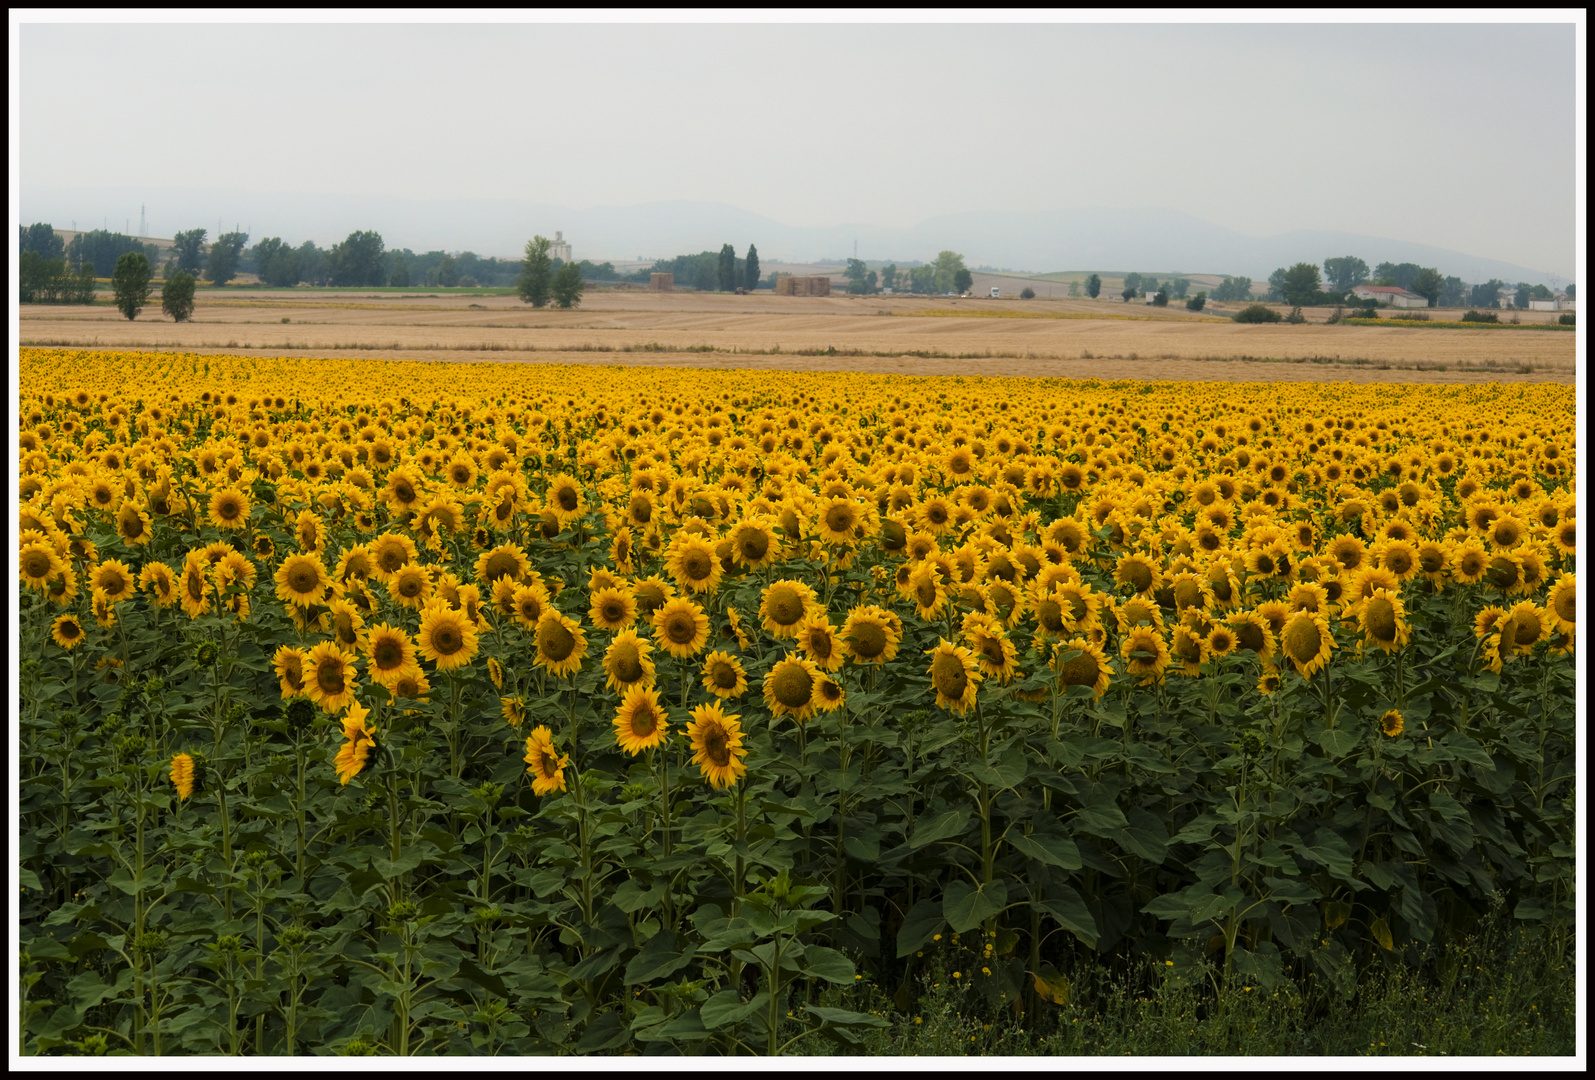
<point>402,708</point>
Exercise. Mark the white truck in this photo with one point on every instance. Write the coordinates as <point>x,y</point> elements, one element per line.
<point>995,292</point>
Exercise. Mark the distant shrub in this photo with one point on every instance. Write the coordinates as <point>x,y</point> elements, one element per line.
<point>1257,313</point>
<point>1027,293</point>
<point>1565,319</point>
<point>467,282</point>
<point>1481,316</point>
<point>1161,299</point>
<point>1412,316</point>
<point>1370,310</point>
<point>1296,318</point>
<point>1197,302</point>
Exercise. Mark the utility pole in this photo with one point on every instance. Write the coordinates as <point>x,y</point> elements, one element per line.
<point>142,228</point>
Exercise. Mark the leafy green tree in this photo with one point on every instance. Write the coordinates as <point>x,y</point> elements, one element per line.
<point>1133,283</point>
<point>536,270</point>
<point>1027,293</point>
<point>1148,286</point>
<point>1276,285</point>
<point>1522,298</point>
<point>131,283</point>
<point>41,239</point>
<point>1233,288</point>
<point>922,279</point>
<point>177,296</point>
<point>190,248</point>
<point>727,268</point>
<point>750,269</point>
<point>856,274</point>
<point>400,275</point>
<point>889,276</point>
<point>1571,291</point>
<point>1128,294</point>
<point>962,280</point>
<point>945,271</point>
<point>1487,295</point>
<point>1161,299</point>
<point>1093,286</point>
<point>1197,302</point>
<point>1300,284</point>
<point>1455,293</point>
<point>1179,287</point>
<point>1346,272</point>
<point>1257,313</point>
<point>222,264</point>
<point>567,285</point>
<point>446,273</point>
<point>358,260</point>
<point>1400,275</point>
<point>1429,283</point>
<point>1540,292</point>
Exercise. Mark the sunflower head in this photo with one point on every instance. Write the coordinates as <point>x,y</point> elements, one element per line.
<point>1306,642</point>
<point>789,688</point>
<point>1391,723</point>
<point>640,723</point>
<point>717,745</point>
<point>561,645</point>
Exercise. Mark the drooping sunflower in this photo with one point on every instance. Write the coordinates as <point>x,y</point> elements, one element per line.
<point>446,637</point>
<point>717,745</point>
<point>414,687</point>
<point>681,628</point>
<point>871,635</point>
<point>561,645</point>
<point>301,580</point>
<point>789,687</point>
<point>1392,723</point>
<point>329,676</point>
<point>1561,604</point>
<point>290,664</point>
<point>1138,572</point>
<point>133,523</point>
<point>1505,573</point>
<point>181,771</point>
<point>63,588</point>
<point>229,509</point>
<point>194,585</point>
<point>613,608</point>
<point>1088,668</point>
<point>1188,649</point>
<point>359,743</point>
<point>928,589</point>
<point>785,605</point>
<point>1306,642</point>
<point>513,710</point>
<point>993,653</point>
<point>544,762</point>
<point>1382,617</point>
<point>390,655</point>
<point>1308,596</point>
<point>67,632</point>
<point>627,663</point>
<point>954,676</point>
<point>1526,625</point>
<point>817,638</point>
<point>640,722</point>
<point>1145,654</point>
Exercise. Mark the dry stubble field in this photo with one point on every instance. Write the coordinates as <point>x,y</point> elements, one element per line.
<point>888,334</point>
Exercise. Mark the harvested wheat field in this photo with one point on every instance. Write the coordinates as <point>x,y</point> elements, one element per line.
<point>892,334</point>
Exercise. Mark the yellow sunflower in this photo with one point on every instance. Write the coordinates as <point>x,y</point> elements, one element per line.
<point>410,586</point>
<point>613,608</point>
<point>565,499</point>
<point>993,653</point>
<point>717,745</point>
<point>1382,617</point>
<point>1080,663</point>
<point>1392,723</point>
<point>1562,603</point>
<point>754,543</point>
<point>954,676</point>
<point>785,605</point>
<point>133,523</point>
<point>640,723</point>
<point>789,687</point>
<point>67,632</point>
<point>181,771</point>
<point>723,675</point>
<point>1306,642</point>
<point>39,563</point>
<point>301,580</point>
<point>1188,649</point>
<point>627,663</point>
<point>329,676</point>
<point>928,591</point>
<point>1526,625</point>
<point>817,638</point>
<point>528,602</point>
<point>681,628</point>
<point>505,560</point>
<point>115,579</point>
<point>359,743</point>
<point>871,635</point>
<point>229,509</point>
<point>392,552</point>
<point>561,645</point>
<point>390,655</point>
<point>1145,654</point>
<point>446,637</point>
<point>544,762</point>
<point>691,561</point>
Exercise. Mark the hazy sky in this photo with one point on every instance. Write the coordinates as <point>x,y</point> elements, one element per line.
<point>1462,136</point>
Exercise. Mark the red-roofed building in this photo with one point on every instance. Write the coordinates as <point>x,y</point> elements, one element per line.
<point>1389,294</point>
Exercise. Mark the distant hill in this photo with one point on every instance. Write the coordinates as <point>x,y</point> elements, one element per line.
<point>1149,238</point>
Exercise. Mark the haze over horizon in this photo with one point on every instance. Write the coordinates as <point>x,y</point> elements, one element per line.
<point>1113,137</point>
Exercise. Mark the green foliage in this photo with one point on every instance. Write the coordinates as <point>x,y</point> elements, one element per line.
<point>536,271</point>
<point>177,296</point>
<point>1299,285</point>
<point>1128,294</point>
<point>1345,273</point>
<point>1481,316</point>
<point>221,264</point>
<point>1027,293</point>
<point>946,274</point>
<point>399,276</point>
<point>1566,318</point>
<point>42,240</point>
<point>131,283</point>
<point>1257,313</point>
<point>1197,302</point>
<point>750,269</point>
<point>566,287</point>
<point>1233,288</point>
<point>190,248</point>
<point>727,268</point>
<point>1161,297</point>
<point>889,276</point>
<point>1093,286</point>
<point>1401,275</point>
<point>102,248</point>
<point>1429,283</point>
<point>51,281</point>
<point>962,280</point>
<point>1487,295</point>
<point>357,260</point>
<point>276,263</point>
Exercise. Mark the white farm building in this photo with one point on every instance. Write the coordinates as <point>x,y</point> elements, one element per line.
<point>1390,294</point>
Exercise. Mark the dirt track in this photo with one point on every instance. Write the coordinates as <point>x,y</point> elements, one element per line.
<point>881,334</point>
